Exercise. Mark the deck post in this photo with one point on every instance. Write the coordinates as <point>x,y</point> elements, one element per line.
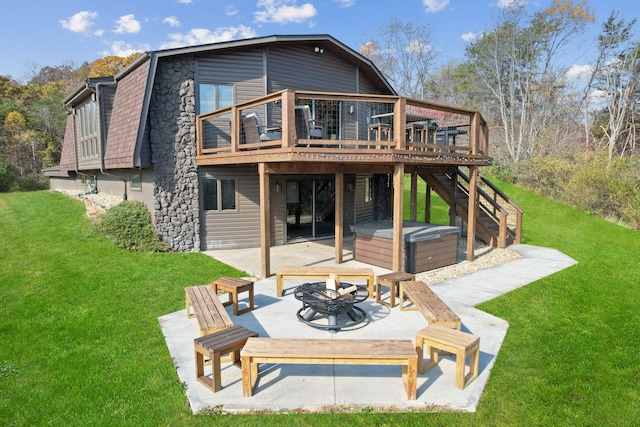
<point>339,214</point>
<point>414,194</point>
<point>398,193</point>
<point>472,211</point>
<point>265,221</point>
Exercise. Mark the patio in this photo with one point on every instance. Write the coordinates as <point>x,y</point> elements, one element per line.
<point>317,387</point>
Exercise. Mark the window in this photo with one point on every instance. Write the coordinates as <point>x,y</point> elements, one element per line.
<point>219,194</point>
<point>87,123</point>
<point>136,182</point>
<point>214,96</point>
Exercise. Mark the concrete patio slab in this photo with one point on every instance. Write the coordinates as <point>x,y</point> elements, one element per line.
<point>316,387</point>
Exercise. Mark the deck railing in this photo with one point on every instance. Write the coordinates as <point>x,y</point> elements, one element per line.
<point>341,121</point>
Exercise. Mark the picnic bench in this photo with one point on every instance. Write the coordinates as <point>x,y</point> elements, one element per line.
<point>321,272</point>
<point>207,309</point>
<point>329,351</point>
<point>428,303</point>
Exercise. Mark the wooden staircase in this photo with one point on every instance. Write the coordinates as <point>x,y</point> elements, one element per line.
<point>499,219</point>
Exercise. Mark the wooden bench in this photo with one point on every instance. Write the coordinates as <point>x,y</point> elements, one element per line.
<point>328,351</point>
<point>459,343</point>
<point>429,304</point>
<point>207,309</point>
<point>304,272</point>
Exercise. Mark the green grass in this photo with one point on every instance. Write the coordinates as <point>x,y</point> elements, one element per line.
<point>81,343</point>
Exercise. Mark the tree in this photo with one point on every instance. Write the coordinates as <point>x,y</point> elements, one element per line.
<point>404,55</point>
<point>515,63</point>
<point>615,78</point>
<point>111,65</point>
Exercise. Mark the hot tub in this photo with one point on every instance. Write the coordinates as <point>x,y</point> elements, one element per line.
<point>426,246</point>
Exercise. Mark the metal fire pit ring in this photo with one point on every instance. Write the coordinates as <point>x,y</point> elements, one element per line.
<point>317,300</point>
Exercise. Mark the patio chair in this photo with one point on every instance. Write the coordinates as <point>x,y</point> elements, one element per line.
<point>306,126</point>
<point>256,131</point>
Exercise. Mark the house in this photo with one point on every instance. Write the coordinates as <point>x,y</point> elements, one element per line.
<point>265,141</point>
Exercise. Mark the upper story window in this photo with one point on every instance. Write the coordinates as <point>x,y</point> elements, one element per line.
<point>88,129</point>
<point>214,96</point>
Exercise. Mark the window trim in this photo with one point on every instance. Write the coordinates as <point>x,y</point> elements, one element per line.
<point>219,195</point>
<point>133,180</point>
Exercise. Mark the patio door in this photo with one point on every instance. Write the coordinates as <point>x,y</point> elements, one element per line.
<point>310,209</point>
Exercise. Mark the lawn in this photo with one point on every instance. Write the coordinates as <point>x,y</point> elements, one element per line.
<point>81,344</point>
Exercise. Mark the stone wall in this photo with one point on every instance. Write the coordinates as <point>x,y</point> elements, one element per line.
<point>173,152</point>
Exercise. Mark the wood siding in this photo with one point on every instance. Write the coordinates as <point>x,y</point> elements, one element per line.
<point>364,211</point>
<point>239,228</point>
<point>244,70</point>
<point>300,68</point>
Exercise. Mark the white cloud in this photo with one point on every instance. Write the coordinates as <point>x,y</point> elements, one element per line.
<point>204,36</point>
<point>435,5</point>
<point>127,24</point>
<point>172,21</point>
<point>284,11</point>
<point>470,36</point>
<point>510,3</point>
<point>579,73</point>
<point>185,1</point>
<point>346,3</point>
<point>122,49</point>
<point>418,46</point>
<point>81,22</point>
<point>230,10</point>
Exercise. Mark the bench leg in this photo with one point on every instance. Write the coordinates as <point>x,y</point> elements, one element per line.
<point>410,378</point>
<point>249,375</point>
<point>278,285</point>
<point>215,382</point>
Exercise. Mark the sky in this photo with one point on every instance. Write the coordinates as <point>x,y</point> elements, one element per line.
<point>38,33</point>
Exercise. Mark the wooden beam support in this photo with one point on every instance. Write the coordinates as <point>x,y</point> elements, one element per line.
<point>398,195</point>
<point>414,195</point>
<point>265,222</point>
<point>472,212</point>
<point>338,216</point>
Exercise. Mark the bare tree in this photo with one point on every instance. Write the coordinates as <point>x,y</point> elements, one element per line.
<point>404,54</point>
<point>615,78</point>
<point>515,62</point>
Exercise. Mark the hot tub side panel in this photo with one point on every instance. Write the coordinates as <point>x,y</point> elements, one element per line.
<point>431,254</point>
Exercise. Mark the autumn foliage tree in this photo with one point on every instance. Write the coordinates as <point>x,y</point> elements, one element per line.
<point>111,65</point>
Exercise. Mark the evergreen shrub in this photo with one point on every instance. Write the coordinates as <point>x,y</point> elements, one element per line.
<point>129,226</point>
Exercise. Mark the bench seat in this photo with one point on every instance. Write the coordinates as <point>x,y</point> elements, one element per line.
<point>329,351</point>
<point>207,309</point>
<point>429,304</point>
<point>320,272</point>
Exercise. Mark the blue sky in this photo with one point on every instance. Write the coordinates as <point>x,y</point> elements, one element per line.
<point>50,32</point>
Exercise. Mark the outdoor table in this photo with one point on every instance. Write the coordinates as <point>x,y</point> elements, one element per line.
<point>317,299</point>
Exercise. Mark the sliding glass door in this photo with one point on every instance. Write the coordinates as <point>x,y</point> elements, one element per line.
<point>310,208</point>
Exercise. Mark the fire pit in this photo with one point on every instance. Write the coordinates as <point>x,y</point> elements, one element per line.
<point>319,302</point>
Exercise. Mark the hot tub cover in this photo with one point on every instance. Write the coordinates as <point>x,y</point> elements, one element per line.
<point>411,230</point>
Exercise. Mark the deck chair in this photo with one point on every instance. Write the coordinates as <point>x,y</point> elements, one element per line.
<point>306,126</point>
<point>256,131</point>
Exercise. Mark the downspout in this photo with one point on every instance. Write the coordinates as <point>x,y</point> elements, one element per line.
<point>103,138</point>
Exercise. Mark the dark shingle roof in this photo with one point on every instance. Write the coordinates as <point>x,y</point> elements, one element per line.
<point>126,119</point>
<point>67,156</point>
